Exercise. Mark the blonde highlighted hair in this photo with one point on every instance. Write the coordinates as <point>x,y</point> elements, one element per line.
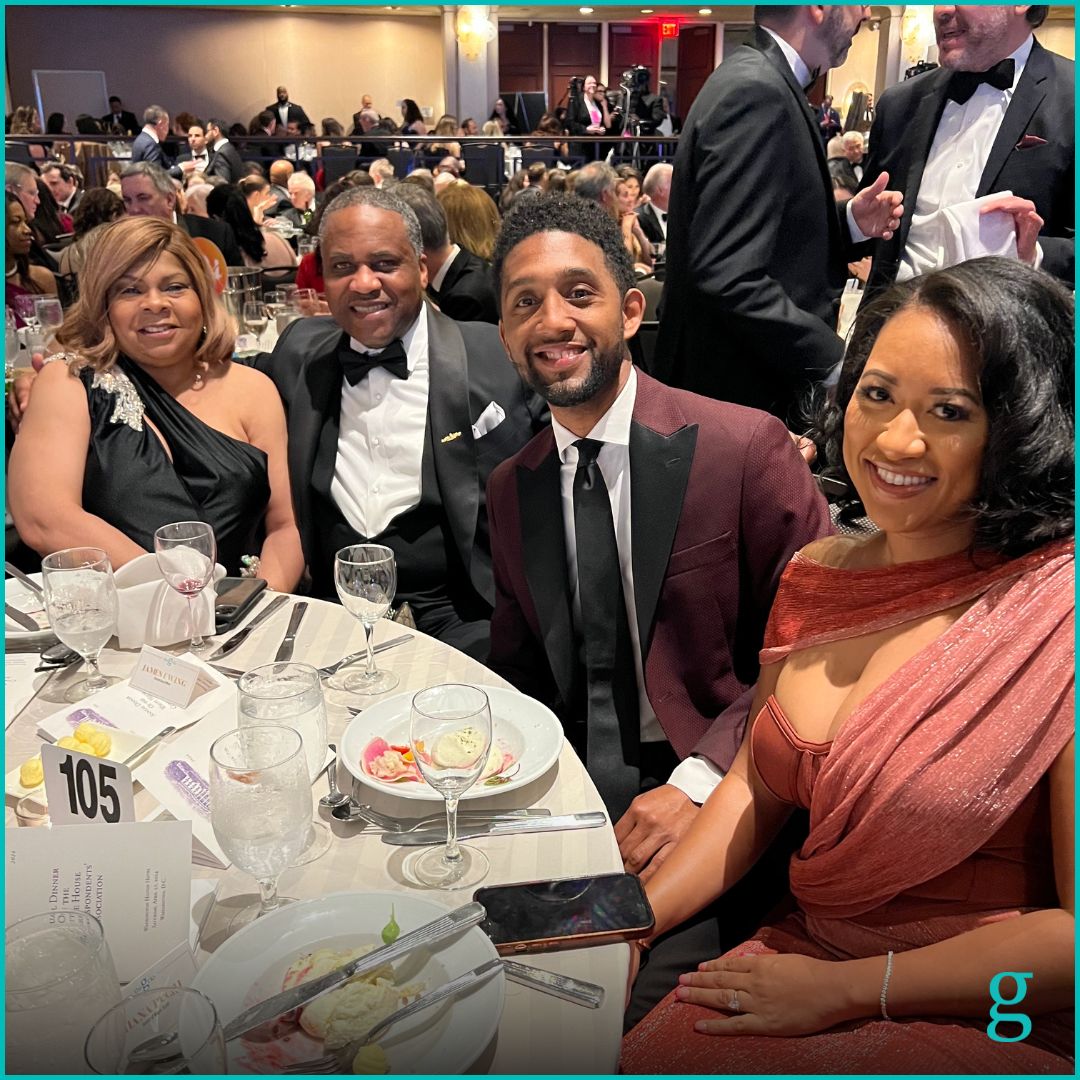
<point>472,218</point>
<point>120,248</point>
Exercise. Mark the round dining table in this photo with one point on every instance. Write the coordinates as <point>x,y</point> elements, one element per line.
<point>538,1033</point>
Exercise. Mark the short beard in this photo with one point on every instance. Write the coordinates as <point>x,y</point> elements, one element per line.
<point>568,393</point>
<point>836,36</point>
<point>982,50</point>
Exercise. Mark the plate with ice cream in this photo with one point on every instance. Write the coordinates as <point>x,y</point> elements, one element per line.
<point>526,739</point>
<point>301,941</point>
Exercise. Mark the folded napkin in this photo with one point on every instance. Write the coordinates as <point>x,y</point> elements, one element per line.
<point>967,234</point>
<point>153,613</point>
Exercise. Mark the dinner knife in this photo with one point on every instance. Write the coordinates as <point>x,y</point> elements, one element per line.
<point>29,582</point>
<point>429,934</point>
<point>22,619</point>
<point>240,637</point>
<point>556,823</point>
<point>285,649</point>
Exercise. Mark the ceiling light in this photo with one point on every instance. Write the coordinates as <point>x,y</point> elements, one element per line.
<point>646,11</point>
<point>705,11</point>
<point>586,10</point>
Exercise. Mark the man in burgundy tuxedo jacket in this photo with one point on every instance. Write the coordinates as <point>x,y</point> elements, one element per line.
<point>708,501</point>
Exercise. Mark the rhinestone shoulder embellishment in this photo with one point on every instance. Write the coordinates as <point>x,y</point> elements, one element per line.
<point>129,406</point>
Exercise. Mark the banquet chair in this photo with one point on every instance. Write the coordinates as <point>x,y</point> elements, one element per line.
<point>402,160</point>
<point>484,166</point>
<point>338,161</point>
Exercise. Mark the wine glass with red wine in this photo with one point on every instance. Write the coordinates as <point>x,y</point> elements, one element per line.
<point>186,553</point>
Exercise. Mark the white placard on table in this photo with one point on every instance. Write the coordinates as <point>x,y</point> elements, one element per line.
<point>170,678</point>
<point>135,877</point>
<point>19,678</point>
<point>82,789</point>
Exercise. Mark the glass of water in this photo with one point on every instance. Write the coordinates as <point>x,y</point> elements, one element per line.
<point>59,979</point>
<point>260,806</point>
<point>365,576</point>
<point>80,599</point>
<point>255,319</point>
<point>289,693</point>
<point>169,1030</point>
<point>49,314</point>
<point>450,736</point>
<point>186,552</point>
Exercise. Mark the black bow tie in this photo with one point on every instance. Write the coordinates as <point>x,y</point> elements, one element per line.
<point>355,366</point>
<point>964,83</point>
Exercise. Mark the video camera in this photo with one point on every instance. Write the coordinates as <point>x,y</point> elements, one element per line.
<point>644,110</point>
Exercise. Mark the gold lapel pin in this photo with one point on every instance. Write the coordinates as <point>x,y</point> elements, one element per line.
<point>451,437</point>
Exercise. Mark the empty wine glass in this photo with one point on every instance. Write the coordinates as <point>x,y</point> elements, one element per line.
<point>260,806</point>
<point>365,576</point>
<point>291,694</point>
<point>255,319</point>
<point>186,552</point>
<point>172,1029</point>
<point>49,314</point>
<point>306,301</point>
<point>80,599</point>
<point>450,736</point>
<point>59,979</point>
<point>24,308</point>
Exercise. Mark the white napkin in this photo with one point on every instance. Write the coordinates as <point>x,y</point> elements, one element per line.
<point>488,420</point>
<point>153,613</point>
<point>967,234</point>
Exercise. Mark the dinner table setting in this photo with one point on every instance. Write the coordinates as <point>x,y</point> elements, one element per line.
<point>346,784</point>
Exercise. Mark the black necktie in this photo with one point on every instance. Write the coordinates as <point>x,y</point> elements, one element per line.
<point>964,83</point>
<point>355,366</point>
<point>613,730</point>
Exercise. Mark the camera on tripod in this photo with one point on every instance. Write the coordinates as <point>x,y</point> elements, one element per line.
<point>577,86</point>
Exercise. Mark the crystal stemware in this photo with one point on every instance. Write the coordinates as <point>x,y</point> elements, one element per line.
<point>80,600</point>
<point>450,736</point>
<point>186,552</point>
<point>365,576</point>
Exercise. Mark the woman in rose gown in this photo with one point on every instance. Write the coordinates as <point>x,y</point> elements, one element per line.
<point>916,696</point>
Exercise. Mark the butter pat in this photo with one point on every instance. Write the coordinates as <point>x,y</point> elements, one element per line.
<point>370,1061</point>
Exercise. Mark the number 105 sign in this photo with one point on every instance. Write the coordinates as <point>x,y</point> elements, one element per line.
<point>81,788</point>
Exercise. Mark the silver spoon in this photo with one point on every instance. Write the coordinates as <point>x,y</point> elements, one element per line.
<point>335,797</point>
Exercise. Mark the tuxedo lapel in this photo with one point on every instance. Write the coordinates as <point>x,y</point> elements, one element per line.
<point>1027,97</point>
<point>543,552</point>
<point>659,471</point>
<point>316,412</point>
<point>920,137</point>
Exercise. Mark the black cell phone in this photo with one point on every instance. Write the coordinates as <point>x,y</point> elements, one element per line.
<point>235,598</point>
<point>569,913</point>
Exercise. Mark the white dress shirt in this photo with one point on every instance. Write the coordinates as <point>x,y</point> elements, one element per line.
<point>283,115</point>
<point>435,284</point>
<point>200,161</point>
<point>696,776</point>
<point>661,217</point>
<point>377,474</point>
<point>795,61</point>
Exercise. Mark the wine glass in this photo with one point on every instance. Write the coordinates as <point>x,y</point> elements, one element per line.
<point>168,1030</point>
<point>260,806</point>
<point>49,314</point>
<point>306,301</point>
<point>80,599</point>
<point>186,552</point>
<point>255,319</point>
<point>450,736</point>
<point>291,694</point>
<point>24,308</point>
<point>11,344</point>
<point>365,576</point>
<point>59,979</point>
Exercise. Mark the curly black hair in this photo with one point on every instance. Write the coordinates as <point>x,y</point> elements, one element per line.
<point>1018,327</point>
<point>569,214</point>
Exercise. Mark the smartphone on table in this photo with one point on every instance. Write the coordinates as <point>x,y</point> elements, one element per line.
<point>568,913</point>
<point>235,598</point>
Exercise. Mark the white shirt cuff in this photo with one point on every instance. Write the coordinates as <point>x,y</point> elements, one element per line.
<point>1038,255</point>
<point>696,777</point>
<point>857,235</point>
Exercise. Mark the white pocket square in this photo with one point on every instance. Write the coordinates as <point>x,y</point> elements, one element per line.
<point>488,420</point>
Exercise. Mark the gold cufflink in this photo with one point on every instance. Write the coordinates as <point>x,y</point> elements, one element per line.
<point>451,437</point>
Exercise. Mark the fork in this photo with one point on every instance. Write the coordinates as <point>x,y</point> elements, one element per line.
<point>341,1060</point>
<point>389,824</point>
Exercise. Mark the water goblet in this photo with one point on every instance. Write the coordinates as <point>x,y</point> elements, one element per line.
<point>60,978</point>
<point>255,319</point>
<point>172,1029</point>
<point>306,301</point>
<point>49,314</point>
<point>291,694</point>
<point>260,806</point>
<point>186,552</point>
<point>450,736</point>
<point>80,599</point>
<point>365,576</point>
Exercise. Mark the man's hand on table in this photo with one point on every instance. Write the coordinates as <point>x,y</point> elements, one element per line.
<point>651,828</point>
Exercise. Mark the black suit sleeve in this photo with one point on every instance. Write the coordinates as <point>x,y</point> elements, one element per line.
<point>734,230</point>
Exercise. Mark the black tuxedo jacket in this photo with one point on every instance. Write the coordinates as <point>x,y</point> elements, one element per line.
<point>144,148</point>
<point>468,369</point>
<point>842,169</point>
<point>756,254</point>
<point>467,293</point>
<point>296,114</point>
<point>220,232</point>
<point>127,121</point>
<point>1032,156</point>
<point>650,224</point>
<point>226,163</point>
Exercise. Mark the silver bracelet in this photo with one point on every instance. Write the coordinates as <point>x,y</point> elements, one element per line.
<point>885,987</point>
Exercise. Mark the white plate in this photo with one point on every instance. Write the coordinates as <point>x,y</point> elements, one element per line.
<point>446,1038</point>
<point>30,603</point>
<point>531,730</point>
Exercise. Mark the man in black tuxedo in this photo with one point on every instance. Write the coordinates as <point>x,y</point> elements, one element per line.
<point>458,281</point>
<point>147,145</point>
<point>197,156</point>
<point>224,157</point>
<point>1003,104</point>
<point>395,448</point>
<point>756,259</point>
<point>828,119</point>
<point>285,111</point>
<point>147,190</point>
<point>653,214</point>
<point>119,119</point>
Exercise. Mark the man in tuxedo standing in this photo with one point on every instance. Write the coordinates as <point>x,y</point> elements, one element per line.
<point>119,119</point>
<point>147,145</point>
<point>397,414</point>
<point>197,156</point>
<point>285,111</point>
<point>653,214</point>
<point>828,119</point>
<point>997,116</point>
<point>638,544</point>
<point>224,157</point>
<point>756,255</point>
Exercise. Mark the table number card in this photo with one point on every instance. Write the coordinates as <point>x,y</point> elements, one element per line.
<point>82,789</point>
<point>166,677</point>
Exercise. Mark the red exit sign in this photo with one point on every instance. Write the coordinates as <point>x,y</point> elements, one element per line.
<point>669,29</point>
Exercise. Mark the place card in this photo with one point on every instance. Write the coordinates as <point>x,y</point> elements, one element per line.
<point>135,877</point>
<point>166,677</point>
<point>175,968</point>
